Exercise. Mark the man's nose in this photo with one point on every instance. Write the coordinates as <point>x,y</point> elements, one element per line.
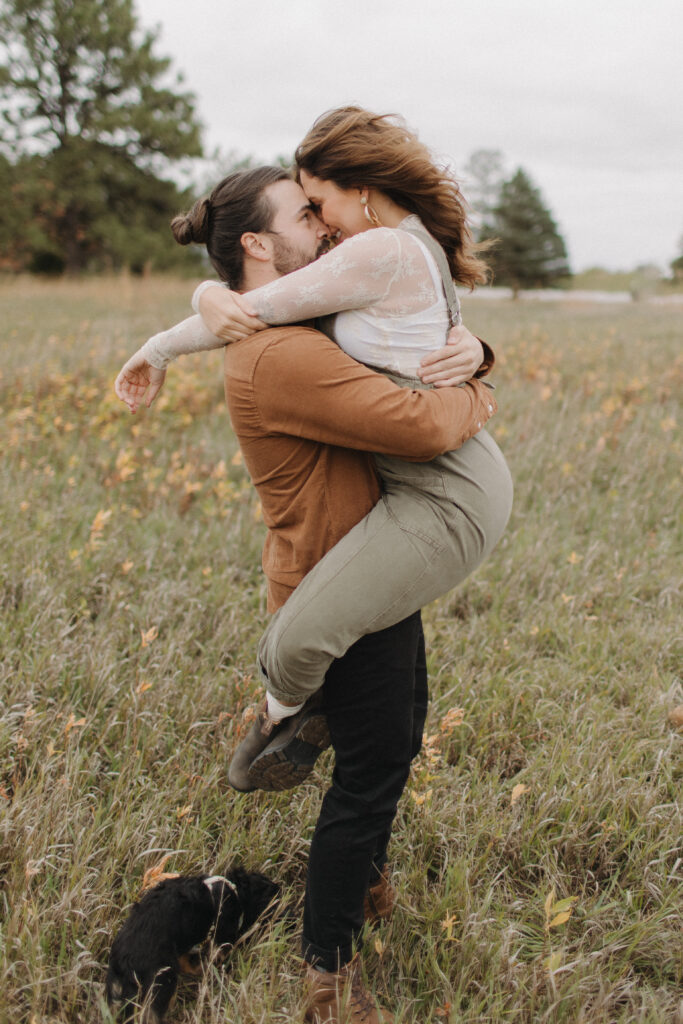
<point>322,228</point>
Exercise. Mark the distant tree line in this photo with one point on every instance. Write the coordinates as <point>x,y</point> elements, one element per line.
<point>527,249</point>
<point>92,124</point>
<point>90,129</point>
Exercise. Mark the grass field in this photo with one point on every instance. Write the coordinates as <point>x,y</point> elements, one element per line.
<point>132,598</point>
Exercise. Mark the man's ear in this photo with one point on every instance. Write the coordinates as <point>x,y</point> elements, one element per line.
<point>257,245</point>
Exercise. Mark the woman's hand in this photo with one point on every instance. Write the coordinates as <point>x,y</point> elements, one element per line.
<point>228,314</point>
<point>454,364</point>
<point>139,380</point>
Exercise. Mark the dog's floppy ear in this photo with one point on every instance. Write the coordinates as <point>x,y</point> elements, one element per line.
<point>263,889</point>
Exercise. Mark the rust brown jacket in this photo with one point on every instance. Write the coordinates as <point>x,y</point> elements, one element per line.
<point>307,417</point>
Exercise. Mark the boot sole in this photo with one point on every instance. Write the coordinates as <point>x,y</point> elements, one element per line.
<point>288,761</point>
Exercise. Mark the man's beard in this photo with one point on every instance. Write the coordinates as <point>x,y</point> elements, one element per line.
<point>287,258</point>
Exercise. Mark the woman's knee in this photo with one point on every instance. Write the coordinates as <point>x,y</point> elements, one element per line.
<point>293,666</point>
<point>295,654</point>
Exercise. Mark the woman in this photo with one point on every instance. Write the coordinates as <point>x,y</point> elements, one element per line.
<point>401,224</point>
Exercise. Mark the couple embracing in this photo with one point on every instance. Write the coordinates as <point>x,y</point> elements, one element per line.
<point>363,433</point>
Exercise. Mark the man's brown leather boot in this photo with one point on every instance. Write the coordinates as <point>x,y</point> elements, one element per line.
<point>340,997</point>
<point>379,899</point>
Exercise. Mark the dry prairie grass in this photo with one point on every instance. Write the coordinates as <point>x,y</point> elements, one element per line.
<point>131,600</point>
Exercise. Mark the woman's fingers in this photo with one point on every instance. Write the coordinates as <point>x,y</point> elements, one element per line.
<point>244,304</point>
<point>138,381</point>
<point>156,382</point>
<point>128,389</point>
<point>223,313</point>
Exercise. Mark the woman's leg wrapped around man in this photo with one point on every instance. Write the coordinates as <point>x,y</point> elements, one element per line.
<point>412,548</point>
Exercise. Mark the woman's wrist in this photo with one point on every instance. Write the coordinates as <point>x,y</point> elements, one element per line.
<point>154,352</point>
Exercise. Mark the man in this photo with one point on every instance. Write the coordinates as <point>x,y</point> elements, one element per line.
<point>307,418</point>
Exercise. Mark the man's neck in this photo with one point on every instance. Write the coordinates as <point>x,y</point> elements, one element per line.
<point>257,274</point>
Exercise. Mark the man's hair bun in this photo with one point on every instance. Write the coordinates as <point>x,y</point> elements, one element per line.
<point>237,204</point>
<point>194,225</point>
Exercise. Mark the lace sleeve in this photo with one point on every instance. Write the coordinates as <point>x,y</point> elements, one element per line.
<point>357,274</point>
<point>191,335</point>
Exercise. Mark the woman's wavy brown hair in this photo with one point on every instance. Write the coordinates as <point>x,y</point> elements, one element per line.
<point>357,149</point>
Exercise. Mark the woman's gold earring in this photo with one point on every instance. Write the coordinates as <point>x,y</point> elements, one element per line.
<point>370,214</point>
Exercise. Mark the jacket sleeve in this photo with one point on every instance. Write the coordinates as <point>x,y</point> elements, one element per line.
<point>307,387</point>
<point>489,358</point>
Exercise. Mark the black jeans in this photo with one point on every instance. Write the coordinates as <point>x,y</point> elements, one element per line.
<point>375,699</point>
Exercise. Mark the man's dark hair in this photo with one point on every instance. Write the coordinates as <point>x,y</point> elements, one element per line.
<point>237,204</point>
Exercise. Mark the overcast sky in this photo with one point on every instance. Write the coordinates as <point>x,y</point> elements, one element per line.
<point>586,95</point>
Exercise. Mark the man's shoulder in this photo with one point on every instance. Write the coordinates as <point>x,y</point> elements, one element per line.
<point>276,345</point>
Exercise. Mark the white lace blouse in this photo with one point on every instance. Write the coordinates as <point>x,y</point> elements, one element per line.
<point>383,284</point>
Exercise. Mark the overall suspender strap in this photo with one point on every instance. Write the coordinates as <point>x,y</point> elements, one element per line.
<point>442,263</point>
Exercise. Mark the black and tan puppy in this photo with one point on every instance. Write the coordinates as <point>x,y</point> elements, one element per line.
<point>164,932</point>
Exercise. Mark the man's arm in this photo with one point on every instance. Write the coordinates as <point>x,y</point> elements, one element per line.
<point>464,356</point>
<point>306,386</point>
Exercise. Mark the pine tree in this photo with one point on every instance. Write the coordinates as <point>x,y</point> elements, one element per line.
<point>530,252</point>
<point>87,109</point>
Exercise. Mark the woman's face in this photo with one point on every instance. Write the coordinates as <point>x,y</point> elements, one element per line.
<point>339,208</point>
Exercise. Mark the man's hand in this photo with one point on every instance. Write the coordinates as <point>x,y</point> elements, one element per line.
<point>454,364</point>
<point>139,380</point>
<point>228,315</point>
